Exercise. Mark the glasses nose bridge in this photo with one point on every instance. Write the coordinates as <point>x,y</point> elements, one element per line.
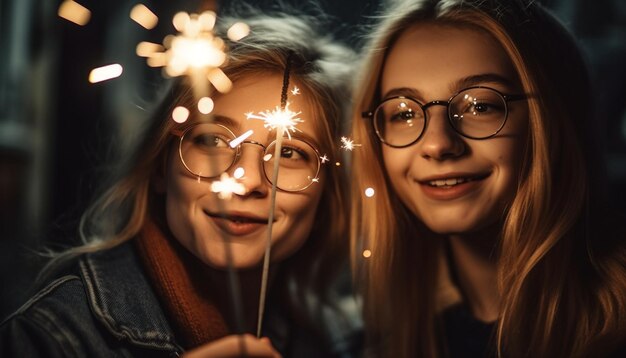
<point>437,102</point>
<point>252,142</point>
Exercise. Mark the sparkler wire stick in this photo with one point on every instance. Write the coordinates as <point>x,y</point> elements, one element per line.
<point>277,152</point>
<point>233,278</point>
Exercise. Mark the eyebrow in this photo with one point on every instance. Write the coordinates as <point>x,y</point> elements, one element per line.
<point>226,121</point>
<point>480,79</point>
<point>456,86</point>
<point>307,138</point>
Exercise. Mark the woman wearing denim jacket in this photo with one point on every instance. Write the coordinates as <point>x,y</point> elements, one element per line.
<point>151,278</point>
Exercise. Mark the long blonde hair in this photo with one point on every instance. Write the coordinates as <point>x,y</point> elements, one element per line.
<point>562,280</point>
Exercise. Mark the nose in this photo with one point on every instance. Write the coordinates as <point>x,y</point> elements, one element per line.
<point>250,161</point>
<point>439,140</point>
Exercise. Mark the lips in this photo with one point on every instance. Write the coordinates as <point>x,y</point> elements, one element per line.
<point>451,186</point>
<point>237,223</point>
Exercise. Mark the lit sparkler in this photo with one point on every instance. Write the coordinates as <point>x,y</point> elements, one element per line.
<point>324,158</point>
<point>195,51</point>
<point>283,120</point>
<point>295,91</point>
<point>348,144</point>
<point>227,186</point>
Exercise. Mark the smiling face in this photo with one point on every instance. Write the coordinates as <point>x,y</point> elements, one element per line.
<point>199,219</point>
<point>455,185</point>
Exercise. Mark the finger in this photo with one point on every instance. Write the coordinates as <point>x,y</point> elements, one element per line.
<point>234,347</point>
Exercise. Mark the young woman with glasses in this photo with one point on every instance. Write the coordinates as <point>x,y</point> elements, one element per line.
<point>152,275</point>
<point>486,235</point>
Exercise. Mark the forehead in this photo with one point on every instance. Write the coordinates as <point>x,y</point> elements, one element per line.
<point>258,94</point>
<point>437,57</point>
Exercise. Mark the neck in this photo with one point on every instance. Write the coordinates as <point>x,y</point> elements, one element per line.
<point>474,261</point>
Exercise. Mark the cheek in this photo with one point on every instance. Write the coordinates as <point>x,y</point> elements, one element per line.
<point>180,201</point>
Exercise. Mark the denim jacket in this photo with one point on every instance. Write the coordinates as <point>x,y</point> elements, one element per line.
<point>108,309</point>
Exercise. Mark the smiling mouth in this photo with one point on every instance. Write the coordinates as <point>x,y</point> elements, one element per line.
<point>453,181</point>
<point>237,219</point>
<point>234,224</point>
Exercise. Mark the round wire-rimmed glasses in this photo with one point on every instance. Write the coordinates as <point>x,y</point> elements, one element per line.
<point>205,150</point>
<point>477,112</point>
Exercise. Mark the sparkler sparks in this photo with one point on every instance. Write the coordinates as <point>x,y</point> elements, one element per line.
<point>348,144</point>
<point>144,16</point>
<point>74,12</point>
<point>148,49</point>
<point>105,73</point>
<point>295,91</point>
<point>227,186</point>
<point>239,173</point>
<point>235,142</point>
<point>324,158</point>
<point>238,31</point>
<point>283,120</point>
<point>369,192</point>
<point>195,50</point>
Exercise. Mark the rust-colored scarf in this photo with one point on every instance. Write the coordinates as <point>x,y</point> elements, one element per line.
<point>183,289</point>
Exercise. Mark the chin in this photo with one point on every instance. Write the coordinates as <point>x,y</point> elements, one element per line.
<point>217,259</point>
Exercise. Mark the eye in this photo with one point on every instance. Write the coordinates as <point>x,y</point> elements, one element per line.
<point>209,140</point>
<point>293,153</point>
<point>483,108</point>
<point>403,115</point>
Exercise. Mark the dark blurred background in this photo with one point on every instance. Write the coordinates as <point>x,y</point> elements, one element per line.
<point>56,128</point>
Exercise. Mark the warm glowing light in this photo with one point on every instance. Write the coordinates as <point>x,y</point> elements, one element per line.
<point>227,186</point>
<point>338,164</point>
<point>239,173</point>
<point>283,120</point>
<point>369,192</point>
<point>147,49</point>
<point>348,144</point>
<point>105,73</point>
<point>195,51</point>
<point>144,16</point>
<point>219,80</point>
<point>295,91</point>
<point>235,142</point>
<point>324,158</point>
<point>181,20</point>
<point>238,31</point>
<point>205,105</point>
<point>207,20</point>
<point>74,12</point>
<point>180,114</point>
<point>157,59</point>
<point>367,253</point>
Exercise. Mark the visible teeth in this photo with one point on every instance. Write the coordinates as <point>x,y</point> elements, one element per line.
<point>448,182</point>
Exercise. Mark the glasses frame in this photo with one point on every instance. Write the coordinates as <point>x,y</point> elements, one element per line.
<point>182,132</point>
<point>446,103</point>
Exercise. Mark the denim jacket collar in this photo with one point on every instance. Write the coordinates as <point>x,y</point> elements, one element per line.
<point>123,300</point>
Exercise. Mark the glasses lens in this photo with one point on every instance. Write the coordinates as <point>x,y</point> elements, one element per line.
<point>399,121</point>
<point>299,164</point>
<point>478,112</point>
<point>204,149</point>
